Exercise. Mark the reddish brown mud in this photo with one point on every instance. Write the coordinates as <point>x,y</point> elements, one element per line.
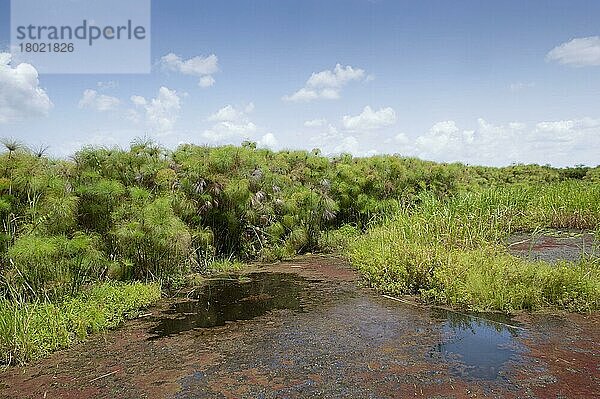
<point>331,338</point>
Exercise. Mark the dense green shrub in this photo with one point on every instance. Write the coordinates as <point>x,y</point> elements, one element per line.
<point>151,239</point>
<point>50,267</point>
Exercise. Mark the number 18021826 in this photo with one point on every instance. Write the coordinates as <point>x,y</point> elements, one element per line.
<point>47,47</point>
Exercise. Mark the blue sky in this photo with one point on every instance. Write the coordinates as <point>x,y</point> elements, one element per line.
<point>478,82</point>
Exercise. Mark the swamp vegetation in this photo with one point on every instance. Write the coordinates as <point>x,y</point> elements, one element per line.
<point>87,242</point>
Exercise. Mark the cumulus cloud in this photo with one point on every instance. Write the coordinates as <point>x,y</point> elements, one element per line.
<point>561,143</point>
<point>98,102</point>
<point>351,145</point>
<point>206,81</point>
<point>224,131</point>
<point>268,141</point>
<point>401,139</point>
<point>579,52</point>
<point>558,142</point>
<point>369,119</point>
<point>159,113</point>
<point>348,144</point>
<point>518,86</point>
<point>444,138</point>
<point>110,84</point>
<point>315,123</point>
<point>21,97</point>
<point>231,114</point>
<point>201,67</point>
<point>231,124</point>
<point>333,142</point>
<point>327,84</point>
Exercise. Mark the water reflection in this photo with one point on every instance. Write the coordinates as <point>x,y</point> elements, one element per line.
<point>230,299</point>
<point>479,346</point>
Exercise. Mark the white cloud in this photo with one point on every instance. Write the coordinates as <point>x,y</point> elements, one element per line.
<point>517,126</point>
<point>444,139</point>
<point>98,102</point>
<point>561,143</point>
<point>309,95</point>
<point>268,141</point>
<point>225,131</point>
<point>338,77</point>
<point>21,96</point>
<point>111,84</point>
<point>160,113</point>
<point>231,114</point>
<point>249,108</point>
<point>202,67</point>
<point>138,100</point>
<point>327,84</point>
<point>206,81</point>
<point>579,52</point>
<point>333,142</point>
<point>231,123</point>
<point>518,86</point>
<point>315,123</point>
<point>348,144</point>
<point>402,139</point>
<point>555,127</point>
<point>369,119</point>
<point>568,130</point>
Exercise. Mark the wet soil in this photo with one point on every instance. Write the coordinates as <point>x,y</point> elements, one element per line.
<point>554,246</point>
<point>308,329</point>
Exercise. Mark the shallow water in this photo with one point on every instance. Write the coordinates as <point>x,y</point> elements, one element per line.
<point>227,299</point>
<point>478,346</point>
<point>482,346</point>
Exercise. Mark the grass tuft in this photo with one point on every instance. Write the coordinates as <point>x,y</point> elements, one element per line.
<point>452,252</point>
<point>30,330</point>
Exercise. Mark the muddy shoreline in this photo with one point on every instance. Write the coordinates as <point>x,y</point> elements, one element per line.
<point>313,331</point>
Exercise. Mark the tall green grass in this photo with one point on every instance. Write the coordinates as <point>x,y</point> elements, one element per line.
<point>491,279</point>
<point>30,330</point>
<point>450,251</point>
